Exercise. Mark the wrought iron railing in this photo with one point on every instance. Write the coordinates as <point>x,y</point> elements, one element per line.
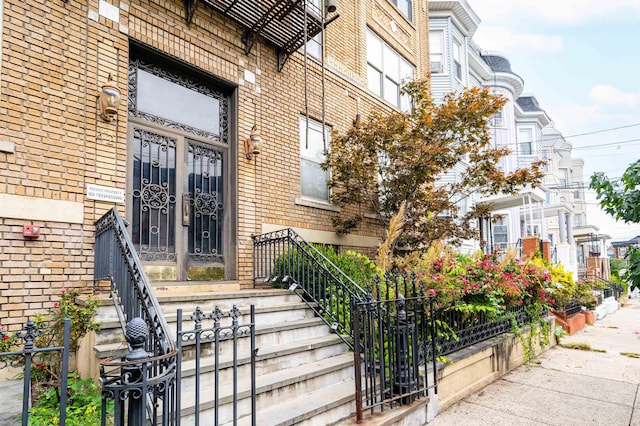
<point>216,334</point>
<point>607,289</point>
<point>116,260</point>
<point>283,256</point>
<point>394,352</point>
<point>28,357</point>
<point>459,329</point>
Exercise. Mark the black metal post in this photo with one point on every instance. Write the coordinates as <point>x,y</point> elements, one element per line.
<point>356,359</point>
<point>136,373</point>
<point>403,382</point>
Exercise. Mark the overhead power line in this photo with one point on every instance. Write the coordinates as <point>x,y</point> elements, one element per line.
<point>575,148</point>
<point>610,129</point>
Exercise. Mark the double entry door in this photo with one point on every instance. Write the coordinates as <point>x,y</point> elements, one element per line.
<point>176,209</point>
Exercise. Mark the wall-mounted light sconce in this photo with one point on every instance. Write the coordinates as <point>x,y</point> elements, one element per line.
<point>253,143</point>
<point>109,100</point>
<point>330,5</point>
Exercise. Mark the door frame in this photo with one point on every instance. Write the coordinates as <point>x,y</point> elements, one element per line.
<point>230,175</point>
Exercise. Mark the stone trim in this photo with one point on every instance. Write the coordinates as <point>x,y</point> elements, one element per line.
<point>47,210</point>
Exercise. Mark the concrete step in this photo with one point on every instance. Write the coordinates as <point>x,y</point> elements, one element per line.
<point>268,335</point>
<point>170,301</point>
<point>111,331</point>
<point>304,373</point>
<point>269,359</point>
<point>315,379</point>
<point>326,406</point>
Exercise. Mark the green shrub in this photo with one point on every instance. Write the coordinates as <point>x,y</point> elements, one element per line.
<point>84,405</point>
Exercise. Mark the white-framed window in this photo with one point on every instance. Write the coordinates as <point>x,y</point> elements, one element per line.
<point>545,158</point>
<point>405,7</point>
<point>313,180</point>
<point>497,119</point>
<point>457,59</point>
<point>314,45</point>
<point>436,52</point>
<point>500,231</point>
<point>386,70</point>
<point>563,177</point>
<point>525,141</point>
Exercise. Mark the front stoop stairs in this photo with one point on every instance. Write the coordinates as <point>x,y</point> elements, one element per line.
<point>304,373</point>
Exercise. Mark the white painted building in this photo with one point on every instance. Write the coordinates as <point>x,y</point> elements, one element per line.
<point>555,211</point>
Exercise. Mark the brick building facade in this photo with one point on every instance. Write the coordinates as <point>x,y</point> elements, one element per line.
<point>54,146</point>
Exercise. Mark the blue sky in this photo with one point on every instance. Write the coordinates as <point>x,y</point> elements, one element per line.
<point>580,59</point>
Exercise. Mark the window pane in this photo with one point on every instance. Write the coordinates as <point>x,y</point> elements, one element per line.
<point>405,8</point>
<point>313,180</point>
<point>374,78</point>
<point>314,46</point>
<point>313,148</point>
<point>391,64</point>
<point>406,70</point>
<point>165,99</point>
<point>435,41</point>
<point>374,50</point>
<point>391,91</point>
<point>405,103</point>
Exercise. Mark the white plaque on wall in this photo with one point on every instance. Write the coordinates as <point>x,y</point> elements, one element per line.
<point>105,193</point>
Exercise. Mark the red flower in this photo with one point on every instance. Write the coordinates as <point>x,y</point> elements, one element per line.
<point>5,337</point>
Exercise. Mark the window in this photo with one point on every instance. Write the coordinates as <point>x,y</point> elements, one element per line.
<point>313,180</point>
<point>496,119</point>
<point>500,230</point>
<point>563,176</point>
<point>545,158</point>
<point>405,7</point>
<point>525,141</point>
<point>386,70</point>
<point>436,52</point>
<point>457,59</point>
<point>314,45</point>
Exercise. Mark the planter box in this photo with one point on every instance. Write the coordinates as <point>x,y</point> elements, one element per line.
<point>589,317</point>
<point>572,324</point>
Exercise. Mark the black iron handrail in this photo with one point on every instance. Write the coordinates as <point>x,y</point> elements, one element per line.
<point>284,256</point>
<point>116,260</point>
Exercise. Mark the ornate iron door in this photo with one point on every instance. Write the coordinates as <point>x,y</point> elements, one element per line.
<point>202,204</point>
<point>177,207</point>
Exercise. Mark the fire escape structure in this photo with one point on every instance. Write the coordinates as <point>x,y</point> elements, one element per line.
<point>284,24</point>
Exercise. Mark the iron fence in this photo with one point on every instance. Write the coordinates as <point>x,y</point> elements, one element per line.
<point>457,328</point>
<point>394,352</point>
<point>133,381</point>
<point>284,257</point>
<point>117,261</point>
<point>214,336</point>
<point>29,357</point>
<point>607,289</point>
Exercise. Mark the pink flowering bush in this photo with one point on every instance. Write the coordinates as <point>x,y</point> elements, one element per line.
<point>485,283</point>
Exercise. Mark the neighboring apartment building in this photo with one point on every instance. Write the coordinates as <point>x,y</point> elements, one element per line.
<point>566,209</point>
<point>456,62</point>
<point>195,78</point>
<point>555,211</point>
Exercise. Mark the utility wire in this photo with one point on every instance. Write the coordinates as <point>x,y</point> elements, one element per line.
<point>610,129</point>
<point>575,148</point>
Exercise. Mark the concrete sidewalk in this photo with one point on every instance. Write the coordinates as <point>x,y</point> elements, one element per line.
<point>567,386</point>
